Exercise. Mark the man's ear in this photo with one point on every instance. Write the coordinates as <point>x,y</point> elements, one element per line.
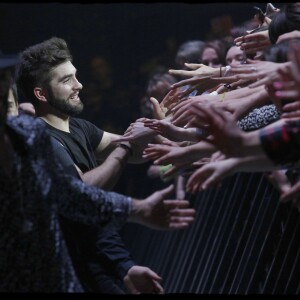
<point>40,94</point>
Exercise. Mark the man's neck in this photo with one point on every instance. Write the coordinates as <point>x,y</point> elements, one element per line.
<point>61,123</point>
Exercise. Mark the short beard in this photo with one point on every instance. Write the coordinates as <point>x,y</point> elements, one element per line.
<point>64,106</point>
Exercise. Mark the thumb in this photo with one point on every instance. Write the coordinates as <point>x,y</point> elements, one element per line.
<point>155,103</point>
<point>142,119</point>
<point>167,191</point>
<point>154,276</point>
<point>156,108</point>
<point>193,66</point>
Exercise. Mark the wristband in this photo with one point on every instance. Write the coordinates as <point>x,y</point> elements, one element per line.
<point>126,147</point>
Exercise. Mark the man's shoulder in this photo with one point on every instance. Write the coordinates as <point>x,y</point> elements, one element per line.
<point>78,124</point>
<point>82,122</point>
<point>78,121</point>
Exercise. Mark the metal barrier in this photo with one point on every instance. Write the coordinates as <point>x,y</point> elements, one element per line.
<point>244,241</point>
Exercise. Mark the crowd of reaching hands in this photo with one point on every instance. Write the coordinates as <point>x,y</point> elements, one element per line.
<point>202,136</point>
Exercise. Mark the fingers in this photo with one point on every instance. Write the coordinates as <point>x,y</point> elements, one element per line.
<point>259,82</point>
<point>291,107</point>
<point>291,115</point>
<point>287,94</point>
<point>172,204</point>
<point>151,155</point>
<point>294,192</point>
<point>154,126</point>
<point>180,215</point>
<point>172,171</point>
<point>167,191</point>
<point>181,117</point>
<point>193,66</point>
<point>189,90</point>
<point>195,181</point>
<point>184,219</point>
<point>181,72</point>
<point>157,148</point>
<point>153,275</point>
<point>158,289</point>
<point>156,108</point>
<point>247,68</point>
<point>154,101</point>
<point>163,160</point>
<point>176,225</point>
<point>229,79</point>
<point>169,143</point>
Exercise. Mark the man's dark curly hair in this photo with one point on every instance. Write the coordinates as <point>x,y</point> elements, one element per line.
<point>36,63</point>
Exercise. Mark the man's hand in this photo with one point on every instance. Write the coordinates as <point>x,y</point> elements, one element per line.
<point>140,280</point>
<point>158,213</point>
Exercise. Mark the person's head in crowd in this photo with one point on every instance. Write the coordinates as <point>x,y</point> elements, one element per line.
<point>286,20</point>
<point>238,31</point>
<point>235,55</point>
<point>189,52</point>
<point>7,67</point>
<point>101,71</point>
<point>50,78</point>
<point>279,52</point>
<point>5,82</point>
<point>213,54</point>
<point>158,86</point>
<point>12,100</point>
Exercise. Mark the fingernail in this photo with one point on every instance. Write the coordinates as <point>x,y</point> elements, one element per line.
<point>277,85</point>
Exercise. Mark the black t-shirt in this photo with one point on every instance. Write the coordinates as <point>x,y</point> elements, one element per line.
<point>80,143</point>
<point>99,256</point>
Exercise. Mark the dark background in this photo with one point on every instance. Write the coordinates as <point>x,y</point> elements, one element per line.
<point>128,32</point>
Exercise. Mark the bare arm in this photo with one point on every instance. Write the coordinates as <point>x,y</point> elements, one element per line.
<point>107,174</point>
<point>172,132</point>
<point>110,142</point>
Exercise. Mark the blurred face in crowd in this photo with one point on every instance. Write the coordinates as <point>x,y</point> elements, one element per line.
<point>63,90</point>
<point>160,90</point>
<point>235,56</point>
<point>101,69</point>
<point>5,83</point>
<point>12,109</point>
<point>210,58</point>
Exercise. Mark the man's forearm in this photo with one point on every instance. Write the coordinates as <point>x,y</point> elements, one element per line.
<point>107,174</point>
